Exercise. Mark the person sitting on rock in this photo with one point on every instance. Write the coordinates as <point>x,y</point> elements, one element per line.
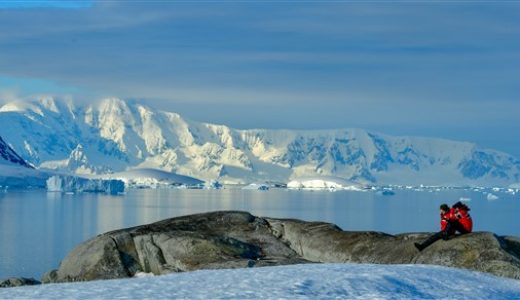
<point>461,212</point>
<point>452,220</point>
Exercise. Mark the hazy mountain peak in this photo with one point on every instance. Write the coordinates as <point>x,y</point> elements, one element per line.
<point>22,107</point>
<point>116,135</point>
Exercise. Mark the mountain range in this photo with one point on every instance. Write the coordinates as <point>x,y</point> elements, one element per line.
<point>114,135</point>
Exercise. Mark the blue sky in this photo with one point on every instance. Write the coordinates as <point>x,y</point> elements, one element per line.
<point>14,4</point>
<point>443,69</point>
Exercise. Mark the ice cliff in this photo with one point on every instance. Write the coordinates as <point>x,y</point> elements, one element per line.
<point>63,183</point>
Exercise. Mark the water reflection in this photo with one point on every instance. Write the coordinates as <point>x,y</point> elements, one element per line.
<point>37,229</point>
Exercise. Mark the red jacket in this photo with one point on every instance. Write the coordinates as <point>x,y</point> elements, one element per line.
<point>445,217</point>
<point>464,218</point>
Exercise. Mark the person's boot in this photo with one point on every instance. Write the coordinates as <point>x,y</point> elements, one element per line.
<point>432,239</point>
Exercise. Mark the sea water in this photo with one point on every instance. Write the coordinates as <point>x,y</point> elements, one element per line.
<point>38,229</point>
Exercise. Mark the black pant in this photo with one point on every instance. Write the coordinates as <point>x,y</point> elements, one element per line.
<point>452,227</point>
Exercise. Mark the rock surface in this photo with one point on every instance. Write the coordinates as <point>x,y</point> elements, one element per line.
<point>14,282</point>
<point>235,239</point>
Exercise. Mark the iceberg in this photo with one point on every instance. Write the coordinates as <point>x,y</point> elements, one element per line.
<point>213,185</point>
<point>491,196</point>
<point>385,193</point>
<point>324,183</point>
<point>67,184</point>
<point>256,186</point>
<point>515,186</point>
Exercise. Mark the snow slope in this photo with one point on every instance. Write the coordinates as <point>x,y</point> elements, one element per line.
<point>153,177</point>
<point>9,157</point>
<point>114,135</point>
<point>310,281</point>
<point>15,172</point>
<point>19,177</point>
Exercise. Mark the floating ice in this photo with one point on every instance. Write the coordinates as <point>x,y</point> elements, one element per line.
<point>256,186</point>
<point>491,196</point>
<point>213,184</point>
<point>386,193</point>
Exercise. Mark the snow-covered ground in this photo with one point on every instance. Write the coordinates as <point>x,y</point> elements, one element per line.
<point>311,281</point>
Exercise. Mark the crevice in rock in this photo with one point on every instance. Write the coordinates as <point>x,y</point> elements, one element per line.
<point>125,258</point>
<point>160,255</point>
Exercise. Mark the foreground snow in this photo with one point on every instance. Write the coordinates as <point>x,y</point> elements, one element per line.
<point>361,281</point>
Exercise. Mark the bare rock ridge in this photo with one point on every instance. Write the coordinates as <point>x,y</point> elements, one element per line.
<point>233,239</point>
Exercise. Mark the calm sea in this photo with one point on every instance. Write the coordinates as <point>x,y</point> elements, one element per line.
<point>37,229</point>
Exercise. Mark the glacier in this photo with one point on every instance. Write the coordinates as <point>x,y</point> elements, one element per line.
<point>114,135</point>
<point>144,178</point>
<point>74,184</point>
<point>16,173</point>
<point>19,177</point>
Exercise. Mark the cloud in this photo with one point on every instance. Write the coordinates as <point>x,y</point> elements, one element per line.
<point>434,67</point>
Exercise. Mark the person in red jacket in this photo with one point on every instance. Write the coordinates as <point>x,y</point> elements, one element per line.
<point>446,215</point>
<point>461,212</point>
<point>456,218</point>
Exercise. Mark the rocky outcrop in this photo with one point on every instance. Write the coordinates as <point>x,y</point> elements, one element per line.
<point>15,281</point>
<point>238,239</point>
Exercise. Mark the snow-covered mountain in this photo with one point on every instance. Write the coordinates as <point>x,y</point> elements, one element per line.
<point>114,135</point>
<point>9,157</point>
<point>15,172</point>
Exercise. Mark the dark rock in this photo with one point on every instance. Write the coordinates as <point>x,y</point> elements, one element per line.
<point>98,258</point>
<point>239,240</point>
<point>14,282</point>
<point>50,276</point>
